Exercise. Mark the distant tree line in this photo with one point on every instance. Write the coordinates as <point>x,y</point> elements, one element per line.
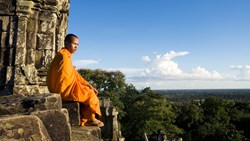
<point>209,118</point>
<point>187,95</point>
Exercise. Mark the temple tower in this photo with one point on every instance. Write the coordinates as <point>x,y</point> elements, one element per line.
<point>31,32</point>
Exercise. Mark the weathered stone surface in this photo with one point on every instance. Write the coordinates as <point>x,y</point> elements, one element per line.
<point>33,27</point>
<point>43,101</point>
<point>74,112</point>
<point>24,128</point>
<point>24,8</point>
<point>105,102</point>
<point>63,6</point>
<point>20,51</point>
<point>7,7</point>
<point>47,22</point>
<point>31,32</point>
<point>45,41</point>
<point>26,89</point>
<point>15,104</point>
<point>31,59</point>
<point>3,38</point>
<point>86,133</point>
<point>111,130</point>
<point>5,22</point>
<point>10,104</point>
<point>56,122</point>
<point>30,74</point>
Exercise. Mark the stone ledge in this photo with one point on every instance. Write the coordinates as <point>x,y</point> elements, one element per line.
<point>56,122</point>
<point>22,127</point>
<point>46,108</point>
<point>74,112</point>
<point>86,133</point>
<point>17,104</point>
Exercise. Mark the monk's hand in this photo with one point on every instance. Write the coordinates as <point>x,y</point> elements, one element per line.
<point>96,92</point>
<point>91,87</point>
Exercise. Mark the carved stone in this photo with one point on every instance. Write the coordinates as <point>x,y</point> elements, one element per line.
<point>23,127</point>
<point>111,130</point>
<point>31,32</point>
<point>74,112</point>
<point>18,104</point>
<point>56,122</point>
<point>47,114</point>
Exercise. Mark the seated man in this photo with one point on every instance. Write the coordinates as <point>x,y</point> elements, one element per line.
<point>64,79</point>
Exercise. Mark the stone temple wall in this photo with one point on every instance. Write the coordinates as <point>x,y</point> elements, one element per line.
<point>31,32</point>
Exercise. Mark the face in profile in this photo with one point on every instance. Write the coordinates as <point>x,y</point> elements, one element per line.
<point>73,46</point>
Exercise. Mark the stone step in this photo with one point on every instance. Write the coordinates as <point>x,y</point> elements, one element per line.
<point>74,112</point>
<point>86,133</point>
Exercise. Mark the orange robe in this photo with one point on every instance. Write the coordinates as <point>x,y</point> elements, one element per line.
<point>64,79</point>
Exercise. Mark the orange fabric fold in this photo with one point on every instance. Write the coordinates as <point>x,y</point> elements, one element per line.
<point>64,79</point>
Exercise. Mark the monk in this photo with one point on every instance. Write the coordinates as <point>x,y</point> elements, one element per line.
<point>63,78</point>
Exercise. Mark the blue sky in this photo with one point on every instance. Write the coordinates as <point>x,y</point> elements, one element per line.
<point>165,44</point>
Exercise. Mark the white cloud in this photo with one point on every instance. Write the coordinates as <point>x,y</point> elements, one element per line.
<point>202,73</point>
<point>164,67</point>
<point>162,71</point>
<point>244,71</point>
<point>236,67</point>
<point>81,63</point>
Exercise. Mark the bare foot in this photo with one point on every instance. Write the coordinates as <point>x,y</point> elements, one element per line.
<point>94,122</point>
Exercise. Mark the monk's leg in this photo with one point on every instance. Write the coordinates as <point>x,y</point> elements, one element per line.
<point>89,109</point>
<point>88,117</point>
<point>93,102</point>
<point>86,114</point>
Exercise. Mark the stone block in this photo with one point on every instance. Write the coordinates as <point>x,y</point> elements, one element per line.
<point>33,26</point>
<point>31,46</point>
<point>30,57</point>
<point>56,123</point>
<point>43,101</point>
<point>21,88</point>
<point>86,133</point>
<point>18,104</point>
<point>45,58</point>
<point>105,102</point>
<point>4,40</point>
<point>4,22</point>
<point>9,75</point>
<point>74,112</point>
<point>23,127</point>
<point>10,104</point>
<point>63,6</point>
<point>26,89</point>
<point>47,22</point>
<point>20,57</point>
<point>30,72</point>
<point>45,41</point>
<point>49,55</point>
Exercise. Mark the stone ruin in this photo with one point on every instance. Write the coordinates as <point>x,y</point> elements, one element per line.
<point>31,32</point>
